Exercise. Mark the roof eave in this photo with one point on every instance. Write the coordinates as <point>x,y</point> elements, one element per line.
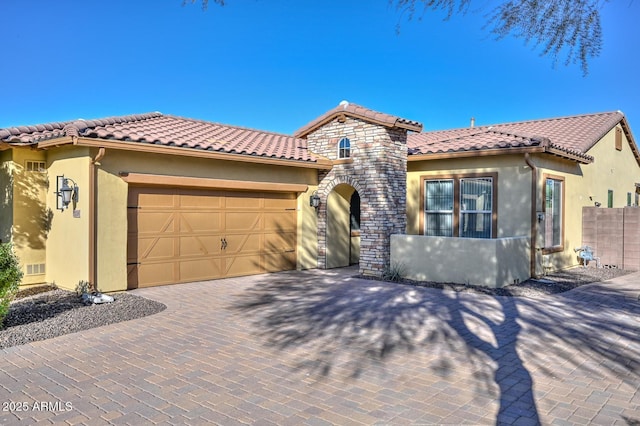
<point>583,159</point>
<point>580,158</point>
<point>190,152</point>
<point>398,123</point>
<point>632,143</point>
<point>475,153</point>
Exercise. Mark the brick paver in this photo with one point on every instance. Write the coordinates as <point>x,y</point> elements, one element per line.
<point>322,347</point>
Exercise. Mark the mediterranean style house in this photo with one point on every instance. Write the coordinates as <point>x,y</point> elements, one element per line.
<point>153,199</point>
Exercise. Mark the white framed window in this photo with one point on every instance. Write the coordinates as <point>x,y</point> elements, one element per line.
<point>344,148</point>
<point>35,166</point>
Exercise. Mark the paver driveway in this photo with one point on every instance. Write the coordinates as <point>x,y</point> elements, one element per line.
<point>321,347</point>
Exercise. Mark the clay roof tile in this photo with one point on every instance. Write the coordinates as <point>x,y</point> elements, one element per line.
<point>573,135</point>
<point>158,129</point>
<point>348,109</point>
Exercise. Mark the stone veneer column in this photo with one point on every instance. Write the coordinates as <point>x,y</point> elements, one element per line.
<point>377,169</point>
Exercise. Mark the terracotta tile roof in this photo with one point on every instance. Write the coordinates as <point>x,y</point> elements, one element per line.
<point>348,109</point>
<point>569,136</point>
<point>156,128</point>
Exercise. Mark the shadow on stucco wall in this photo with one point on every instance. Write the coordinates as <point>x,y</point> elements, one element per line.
<point>6,202</point>
<point>31,217</point>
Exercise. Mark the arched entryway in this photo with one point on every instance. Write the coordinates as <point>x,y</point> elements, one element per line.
<point>343,226</point>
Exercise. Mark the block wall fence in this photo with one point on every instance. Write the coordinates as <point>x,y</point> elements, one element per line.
<point>614,235</point>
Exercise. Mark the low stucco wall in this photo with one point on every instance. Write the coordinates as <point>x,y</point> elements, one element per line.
<point>487,262</point>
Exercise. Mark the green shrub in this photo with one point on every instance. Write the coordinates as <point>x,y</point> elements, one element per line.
<point>394,272</point>
<point>10,277</point>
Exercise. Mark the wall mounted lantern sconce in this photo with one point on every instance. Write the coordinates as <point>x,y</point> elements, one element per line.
<point>65,193</point>
<point>314,200</point>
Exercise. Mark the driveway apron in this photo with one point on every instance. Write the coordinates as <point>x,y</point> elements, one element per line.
<point>325,347</point>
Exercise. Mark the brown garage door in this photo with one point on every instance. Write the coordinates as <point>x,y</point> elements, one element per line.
<point>184,235</point>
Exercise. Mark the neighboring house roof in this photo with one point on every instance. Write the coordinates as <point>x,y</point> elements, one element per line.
<point>346,109</point>
<point>166,130</point>
<point>571,137</point>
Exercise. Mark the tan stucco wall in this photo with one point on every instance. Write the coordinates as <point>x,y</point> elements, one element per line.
<point>112,202</point>
<point>338,226</point>
<point>68,241</point>
<point>486,262</point>
<point>6,194</point>
<point>30,214</point>
<point>514,189</point>
<point>584,185</point>
<point>307,231</point>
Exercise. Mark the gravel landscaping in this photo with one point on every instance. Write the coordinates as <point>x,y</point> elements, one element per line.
<point>553,283</point>
<point>45,312</point>
<point>42,313</point>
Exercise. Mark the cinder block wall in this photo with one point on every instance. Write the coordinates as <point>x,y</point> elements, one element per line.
<point>632,238</point>
<point>614,235</point>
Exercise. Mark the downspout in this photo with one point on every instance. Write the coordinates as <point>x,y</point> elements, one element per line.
<point>534,215</point>
<point>92,217</point>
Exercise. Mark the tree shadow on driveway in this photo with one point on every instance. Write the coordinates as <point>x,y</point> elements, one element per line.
<point>354,325</point>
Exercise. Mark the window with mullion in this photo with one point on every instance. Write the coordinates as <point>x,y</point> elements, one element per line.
<point>344,148</point>
<point>476,203</point>
<point>439,203</point>
<point>553,213</point>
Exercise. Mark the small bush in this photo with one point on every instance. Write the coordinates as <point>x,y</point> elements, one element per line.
<point>10,278</point>
<point>84,287</point>
<point>394,272</point>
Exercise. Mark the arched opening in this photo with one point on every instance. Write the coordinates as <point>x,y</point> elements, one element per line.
<point>343,226</point>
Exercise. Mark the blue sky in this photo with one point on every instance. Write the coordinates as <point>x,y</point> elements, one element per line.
<point>277,64</point>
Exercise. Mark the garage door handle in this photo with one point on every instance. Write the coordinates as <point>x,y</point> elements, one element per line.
<point>223,243</point>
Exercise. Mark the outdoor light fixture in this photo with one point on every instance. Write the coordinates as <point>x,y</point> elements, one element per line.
<point>66,193</point>
<point>314,200</point>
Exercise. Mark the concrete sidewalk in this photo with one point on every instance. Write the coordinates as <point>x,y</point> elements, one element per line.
<point>322,347</point>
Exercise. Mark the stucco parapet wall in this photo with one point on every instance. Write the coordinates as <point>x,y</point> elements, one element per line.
<point>494,262</point>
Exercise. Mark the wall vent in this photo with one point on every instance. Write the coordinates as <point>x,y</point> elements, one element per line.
<point>35,269</point>
<point>36,166</point>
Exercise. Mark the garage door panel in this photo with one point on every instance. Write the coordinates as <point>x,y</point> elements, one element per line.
<point>206,221</point>
<point>155,248</point>
<point>155,222</point>
<point>156,198</point>
<point>242,221</point>
<point>247,243</point>
<point>279,221</point>
<point>177,235</point>
<point>202,245</point>
<point>243,201</point>
<point>286,202</point>
<point>200,269</point>
<point>277,242</point>
<point>153,274</point>
<point>205,200</point>
<point>238,266</point>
